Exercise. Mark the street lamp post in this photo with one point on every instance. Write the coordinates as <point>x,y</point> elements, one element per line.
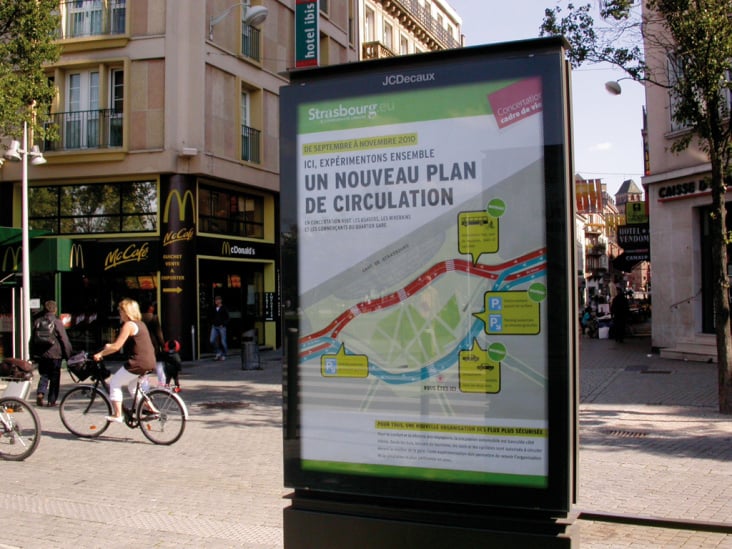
<point>25,243</point>
<point>17,153</point>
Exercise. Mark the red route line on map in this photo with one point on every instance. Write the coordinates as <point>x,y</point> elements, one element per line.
<point>450,265</point>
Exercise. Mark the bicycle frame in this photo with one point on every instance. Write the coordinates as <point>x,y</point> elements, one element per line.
<point>160,413</point>
<point>131,418</point>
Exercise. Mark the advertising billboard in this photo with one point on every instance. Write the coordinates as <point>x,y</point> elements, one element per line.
<point>427,226</point>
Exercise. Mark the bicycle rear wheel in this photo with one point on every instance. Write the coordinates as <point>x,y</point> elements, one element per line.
<point>20,429</point>
<point>83,411</point>
<point>166,423</point>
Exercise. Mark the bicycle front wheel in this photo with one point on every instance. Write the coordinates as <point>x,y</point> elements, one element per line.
<point>167,421</point>
<point>20,429</point>
<point>83,411</point>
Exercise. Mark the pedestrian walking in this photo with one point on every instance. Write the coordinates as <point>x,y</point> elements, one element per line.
<point>219,321</point>
<point>49,346</point>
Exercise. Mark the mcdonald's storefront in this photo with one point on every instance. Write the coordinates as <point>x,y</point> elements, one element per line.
<point>208,239</point>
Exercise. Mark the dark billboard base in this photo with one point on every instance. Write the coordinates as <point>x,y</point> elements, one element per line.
<point>354,527</point>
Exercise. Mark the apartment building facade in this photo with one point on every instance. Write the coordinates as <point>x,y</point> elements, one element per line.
<point>163,185</point>
<point>402,27</point>
<point>679,205</point>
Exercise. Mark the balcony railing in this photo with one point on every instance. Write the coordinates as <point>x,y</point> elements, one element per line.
<point>250,43</point>
<point>80,18</point>
<point>250,144</point>
<point>98,129</point>
<point>428,23</point>
<point>376,50</point>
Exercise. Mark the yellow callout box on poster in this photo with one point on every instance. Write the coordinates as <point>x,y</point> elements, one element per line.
<point>344,365</point>
<point>479,373</point>
<point>477,234</point>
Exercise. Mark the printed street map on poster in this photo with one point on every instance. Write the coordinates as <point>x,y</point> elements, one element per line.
<point>422,284</point>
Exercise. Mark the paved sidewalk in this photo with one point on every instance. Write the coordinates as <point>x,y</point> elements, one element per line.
<point>652,446</point>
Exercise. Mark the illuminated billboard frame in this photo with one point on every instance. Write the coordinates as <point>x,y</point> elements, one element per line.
<point>428,275</point>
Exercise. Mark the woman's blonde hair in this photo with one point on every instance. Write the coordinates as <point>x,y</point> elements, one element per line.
<point>131,308</point>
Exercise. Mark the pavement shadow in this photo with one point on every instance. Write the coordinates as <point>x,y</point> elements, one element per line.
<point>688,435</point>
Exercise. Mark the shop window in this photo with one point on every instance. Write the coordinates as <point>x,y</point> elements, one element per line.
<point>94,208</point>
<point>707,275</point>
<point>229,213</point>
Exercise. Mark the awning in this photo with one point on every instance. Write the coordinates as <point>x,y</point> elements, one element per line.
<point>13,235</point>
<point>627,260</point>
<point>47,255</point>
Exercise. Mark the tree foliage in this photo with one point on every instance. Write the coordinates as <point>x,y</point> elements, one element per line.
<point>28,30</point>
<point>688,51</point>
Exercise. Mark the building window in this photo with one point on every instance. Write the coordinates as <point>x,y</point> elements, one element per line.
<point>125,207</point>
<point>92,17</point>
<point>85,122</point>
<point>324,6</point>
<point>250,40</point>
<point>228,213</point>
<point>117,90</point>
<point>388,39</point>
<point>250,137</point>
<point>675,71</point>
<point>369,25</point>
<point>403,45</point>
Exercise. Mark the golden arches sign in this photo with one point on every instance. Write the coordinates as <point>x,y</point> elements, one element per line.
<point>182,202</point>
<point>14,255</point>
<point>76,256</point>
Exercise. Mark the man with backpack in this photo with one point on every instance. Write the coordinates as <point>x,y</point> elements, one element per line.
<point>49,345</point>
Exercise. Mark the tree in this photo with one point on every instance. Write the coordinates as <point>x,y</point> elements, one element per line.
<point>695,38</point>
<point>28,30</point>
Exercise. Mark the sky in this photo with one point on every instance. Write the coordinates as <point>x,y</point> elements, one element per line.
<point>607,128</point>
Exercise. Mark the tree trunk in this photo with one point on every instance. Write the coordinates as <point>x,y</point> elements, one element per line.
<point>721,286</point>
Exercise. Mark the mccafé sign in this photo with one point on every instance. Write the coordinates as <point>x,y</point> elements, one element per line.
<point>133,253</point>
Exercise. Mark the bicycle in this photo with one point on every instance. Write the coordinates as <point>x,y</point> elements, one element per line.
<point>20,429</point>
<point>160,414</point>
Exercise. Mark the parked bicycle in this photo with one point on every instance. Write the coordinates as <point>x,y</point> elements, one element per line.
<point>20,429</point>
<point>160,414</point>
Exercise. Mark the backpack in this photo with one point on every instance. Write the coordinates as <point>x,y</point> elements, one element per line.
<point>44,334</point>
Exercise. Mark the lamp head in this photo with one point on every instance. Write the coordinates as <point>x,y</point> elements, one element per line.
<point>255,15</point>
<point>13,153</point>
<point>613,87</point>
<point>37,156</point>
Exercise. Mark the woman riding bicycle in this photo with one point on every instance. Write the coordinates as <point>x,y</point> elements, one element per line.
<point>134,340</point>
